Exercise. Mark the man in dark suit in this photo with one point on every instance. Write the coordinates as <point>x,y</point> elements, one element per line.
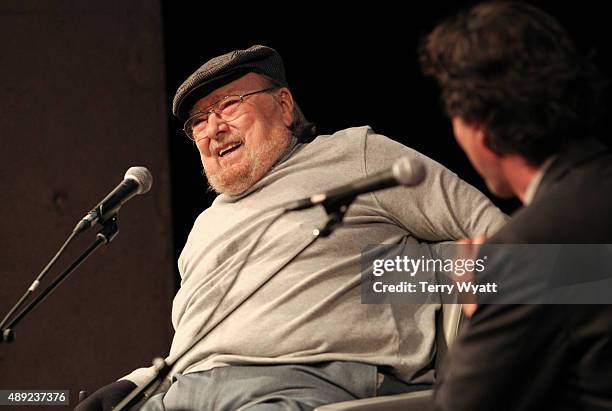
<point>523,102</point>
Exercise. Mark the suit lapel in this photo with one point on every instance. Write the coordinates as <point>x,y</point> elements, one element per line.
<point>574,155</point>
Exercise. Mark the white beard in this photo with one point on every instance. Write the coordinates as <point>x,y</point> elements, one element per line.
<point>256,163</point>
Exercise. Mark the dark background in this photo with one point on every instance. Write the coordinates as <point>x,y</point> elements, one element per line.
<point>347,66</point>
<point>86,92</point>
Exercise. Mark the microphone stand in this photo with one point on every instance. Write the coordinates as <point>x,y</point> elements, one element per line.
<point>106,234</point>
<point>139,396</point>
<point>335,212</point>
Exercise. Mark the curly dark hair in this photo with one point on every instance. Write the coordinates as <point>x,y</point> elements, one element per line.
<point>514,70</point>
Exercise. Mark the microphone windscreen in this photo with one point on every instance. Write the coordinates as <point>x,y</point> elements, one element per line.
<point>142,176</point>
<point>408,171</point>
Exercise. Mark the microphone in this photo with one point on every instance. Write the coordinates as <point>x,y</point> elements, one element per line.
<point>405,171</point>
<point>137,180</point>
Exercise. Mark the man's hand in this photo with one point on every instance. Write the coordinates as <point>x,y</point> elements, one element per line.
<point>106,397</point>
<point>469,249</point>
<point>479,240</point>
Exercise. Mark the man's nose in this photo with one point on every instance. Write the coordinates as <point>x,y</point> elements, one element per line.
<point>215,126</point>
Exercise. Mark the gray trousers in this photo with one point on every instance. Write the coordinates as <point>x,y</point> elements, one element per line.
<point>268,388</point>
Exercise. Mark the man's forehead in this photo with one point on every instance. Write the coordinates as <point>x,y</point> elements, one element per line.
<point>248,82</point>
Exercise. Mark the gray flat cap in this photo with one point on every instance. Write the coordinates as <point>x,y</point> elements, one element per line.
<point>225,69</point>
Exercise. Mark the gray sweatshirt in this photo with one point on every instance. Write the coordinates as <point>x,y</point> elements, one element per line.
<point>298,301</point>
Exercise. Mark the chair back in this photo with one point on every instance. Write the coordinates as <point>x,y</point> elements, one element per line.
<point>447,327</point>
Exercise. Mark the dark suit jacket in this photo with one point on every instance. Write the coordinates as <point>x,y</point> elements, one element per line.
<point>542,357</point>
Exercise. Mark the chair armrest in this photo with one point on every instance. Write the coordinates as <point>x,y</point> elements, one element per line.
<point>412,401</point>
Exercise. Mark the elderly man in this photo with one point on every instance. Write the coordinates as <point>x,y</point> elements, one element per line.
<point>522,102</point>
<point>284,325</point>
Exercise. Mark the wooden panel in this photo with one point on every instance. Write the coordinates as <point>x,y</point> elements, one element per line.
<point>81,100</point>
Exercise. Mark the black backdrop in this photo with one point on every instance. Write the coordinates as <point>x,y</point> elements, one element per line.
<point>347,65</point>
<point>81,100</point>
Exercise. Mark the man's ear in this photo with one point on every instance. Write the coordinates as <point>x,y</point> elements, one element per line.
<point>481,136</point>
<point>285,100</point>
<point>482,139</point>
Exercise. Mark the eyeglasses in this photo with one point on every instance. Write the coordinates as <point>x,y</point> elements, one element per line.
<point>226,108</point>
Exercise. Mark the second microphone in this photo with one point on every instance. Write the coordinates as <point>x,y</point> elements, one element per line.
<point>405,171</point>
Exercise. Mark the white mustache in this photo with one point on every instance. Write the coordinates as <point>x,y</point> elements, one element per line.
<point>233,139</point>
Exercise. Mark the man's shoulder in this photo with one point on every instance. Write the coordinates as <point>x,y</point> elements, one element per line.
<point>354,134</point>
<point>357,141</point>
<point>351,135</point>
<point>573,212</point>
<point>572,204</point>
<point>365,139</point>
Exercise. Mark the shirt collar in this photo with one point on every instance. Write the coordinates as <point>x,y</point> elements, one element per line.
<point>534,184</point>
